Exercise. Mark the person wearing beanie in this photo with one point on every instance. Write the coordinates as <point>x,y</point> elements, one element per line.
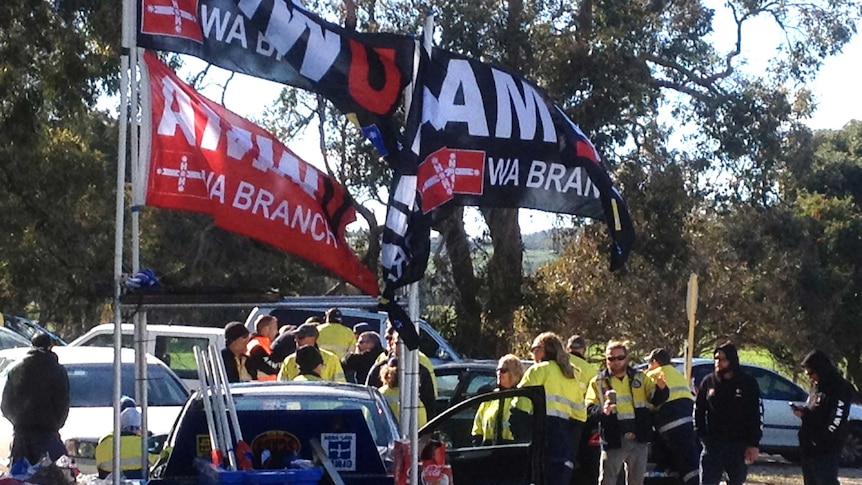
<point>233,355</point>
<point>824,420</point>
<point>673,419</point>
<point>130,447</point>
<point>728,419</point>
<point>307,334</point>
<point>36,402</point>
<point>310,363</point>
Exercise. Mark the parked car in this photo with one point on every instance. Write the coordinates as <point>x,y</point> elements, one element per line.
<point>172,344</point>
<point>354,309</point>
<point>352,423</point>
<point>780,425</point>
<point>91,372</point>
<point>27,328</point>
<point>11,340</point>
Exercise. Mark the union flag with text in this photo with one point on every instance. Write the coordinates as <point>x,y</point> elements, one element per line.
<point>481,135</point>
<point>204,158</point>
<point>362,74</point>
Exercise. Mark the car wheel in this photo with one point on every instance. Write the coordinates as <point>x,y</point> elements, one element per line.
<point>851,455</point>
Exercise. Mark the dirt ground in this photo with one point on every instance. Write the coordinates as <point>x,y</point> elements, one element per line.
<point>774,470</point>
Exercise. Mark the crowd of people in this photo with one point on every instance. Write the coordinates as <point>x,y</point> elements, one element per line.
<point>706,434</point>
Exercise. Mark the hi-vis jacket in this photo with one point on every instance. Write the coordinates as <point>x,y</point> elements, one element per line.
<point>564,397</point>
<point>336,338</point>
<point>491,423</point>
<point>259,363</point>
<point>331,371</point>
<point>635,392</point>
<point>130,454</point>
<point>393,398</point>
<point>678,410</point>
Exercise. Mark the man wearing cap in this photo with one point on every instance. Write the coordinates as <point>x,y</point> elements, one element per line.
<point>259,348</point>
<point>334,336</point>
<point>357,364</point>
<point>674,420</point>
<point>307,334</point>
<point>36,402</point>
<point>233,355</point>
<point>130,447</point>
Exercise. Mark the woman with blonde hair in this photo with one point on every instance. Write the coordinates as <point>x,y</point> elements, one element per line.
<point>491,425</point>
<point>390,392</point>
<point>564,402</point>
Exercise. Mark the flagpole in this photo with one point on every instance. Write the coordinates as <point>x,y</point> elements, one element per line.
<point>122,120</point>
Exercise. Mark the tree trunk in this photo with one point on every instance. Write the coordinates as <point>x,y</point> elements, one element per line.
<point>505,274</point>
<point>467,307</point>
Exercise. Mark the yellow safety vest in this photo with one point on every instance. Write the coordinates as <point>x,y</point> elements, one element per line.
<point>588,371</point>
<point>630,394</point>
<point>130,453</point>
<point>564,397</point>
<point>336,338</point>
<point>331,371</point>
<point>307,378</point>
<point>676,383</point>
<point>393,398</point>
<point>489,417</point>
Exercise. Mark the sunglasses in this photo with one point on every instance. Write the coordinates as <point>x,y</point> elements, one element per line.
<point>618,358</point>
<point>503,370</point>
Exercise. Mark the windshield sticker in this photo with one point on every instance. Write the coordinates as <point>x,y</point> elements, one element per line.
<point>341,450</point>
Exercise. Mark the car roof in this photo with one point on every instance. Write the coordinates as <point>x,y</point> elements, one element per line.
<point>318,388</point>
<point>484,364</point>
<point>82,355</point>
<point>160,328</point>
<point>15,336</point>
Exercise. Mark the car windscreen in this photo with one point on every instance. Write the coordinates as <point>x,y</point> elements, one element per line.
<point>374,414</point>
<point>90,385</point>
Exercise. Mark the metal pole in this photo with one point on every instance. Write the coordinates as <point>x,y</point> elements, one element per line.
<point>127,23</point>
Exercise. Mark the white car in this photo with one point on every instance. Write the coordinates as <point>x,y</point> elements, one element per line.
<point>91,374</point>
<point>780,425</point>
<point>172,344</point>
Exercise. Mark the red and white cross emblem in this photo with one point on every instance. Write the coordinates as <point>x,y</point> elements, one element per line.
<point>182,174</point>
<point>447,172</point>
<point>175,18</point>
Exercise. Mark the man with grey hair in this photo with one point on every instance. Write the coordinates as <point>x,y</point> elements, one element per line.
<point>357,364</point>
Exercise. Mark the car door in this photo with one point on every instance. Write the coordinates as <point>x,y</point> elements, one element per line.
<point>780,425</point>
<point>514,462</point>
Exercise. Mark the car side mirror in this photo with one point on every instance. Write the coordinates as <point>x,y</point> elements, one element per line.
<point>442,354</point>
<point>155,444</point>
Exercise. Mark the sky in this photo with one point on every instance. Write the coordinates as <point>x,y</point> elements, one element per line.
<point>835,91</point>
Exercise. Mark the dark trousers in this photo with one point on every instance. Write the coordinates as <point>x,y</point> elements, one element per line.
<point>820,469</point>
<point>723,456</point>
<point>681,444</point>
<point>562,438</point>
<point>33,445</point>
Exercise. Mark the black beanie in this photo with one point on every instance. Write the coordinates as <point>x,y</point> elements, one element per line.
<point>233,331</point>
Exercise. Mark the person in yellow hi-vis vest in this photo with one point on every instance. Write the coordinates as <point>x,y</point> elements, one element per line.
<point>130,448</point>
<point>334,336</point>
<point>306,334</point>
<point>390,391</point>
<point>564,401</point>
<point>492,426</point>
<point>674,419</point>
<point>620,396</point>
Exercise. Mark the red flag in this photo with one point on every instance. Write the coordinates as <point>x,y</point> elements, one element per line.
<point>204,158</point>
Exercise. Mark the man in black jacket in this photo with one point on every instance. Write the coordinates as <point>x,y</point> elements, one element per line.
<point>727,418</point>
<point>36,402</point>
<point>824,420</point>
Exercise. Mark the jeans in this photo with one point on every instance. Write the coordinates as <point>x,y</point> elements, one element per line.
<point>723,456</point>
<point>820,469</point>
